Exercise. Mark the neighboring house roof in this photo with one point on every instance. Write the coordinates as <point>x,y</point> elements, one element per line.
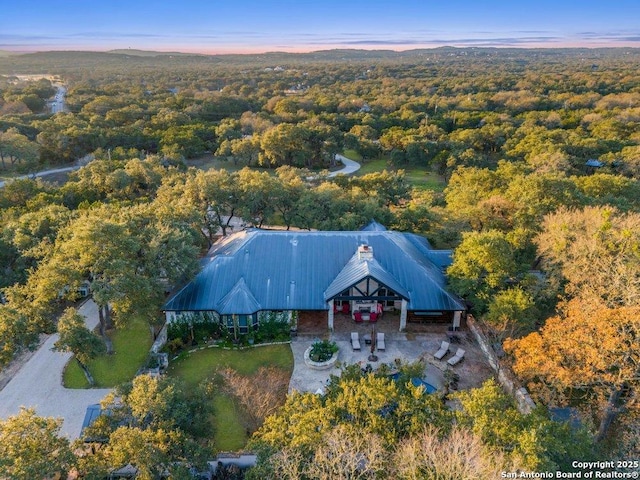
<point>592,162</point>
<point>258,270</point>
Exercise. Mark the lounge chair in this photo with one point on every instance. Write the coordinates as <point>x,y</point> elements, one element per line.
<point>444,349</point>
<point>380,341</point>
<point>456,358</point>
<point>355,341</point>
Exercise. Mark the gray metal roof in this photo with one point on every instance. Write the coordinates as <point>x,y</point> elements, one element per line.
<point>239,300</point>
<point>356,270</point>
<point>374,226</point>
<point>284,270</point>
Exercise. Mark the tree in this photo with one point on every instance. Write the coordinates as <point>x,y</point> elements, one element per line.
<point>18,149</point>
<point>17,332</point>
<point>530,441</point>
<point>596,251</point>
<point>30,447</point>
<point>155,424</point>
<point>589,356</point>
<point>458,454</point>
<point>511,312</point>
<point>483,264</point>
<point>215,194</point>
<point>76,338</point>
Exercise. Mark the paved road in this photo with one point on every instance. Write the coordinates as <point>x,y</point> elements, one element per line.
<point>38,384</point>
<point>349,167</point>
<point>44,173</point>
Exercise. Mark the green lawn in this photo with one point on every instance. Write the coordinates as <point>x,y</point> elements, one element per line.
<point>208,162</point>
<point>229,432</point>
<point>423,179</point>
<point>420,178</point>
<point>352,155</point>
<point>131,346</point>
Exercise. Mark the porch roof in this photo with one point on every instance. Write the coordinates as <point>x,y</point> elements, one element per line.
<point>356,270</point>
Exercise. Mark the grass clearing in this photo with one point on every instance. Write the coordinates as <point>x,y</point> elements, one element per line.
<point>202,365</point>
<point>131,345</point>
<point>352,155</point>
<point>420,178</point>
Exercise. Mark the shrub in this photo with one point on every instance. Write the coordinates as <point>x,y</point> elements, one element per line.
<point>321,351</point>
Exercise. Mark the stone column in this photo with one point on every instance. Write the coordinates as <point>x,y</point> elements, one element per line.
<point>403,316</point>
<point>456,319</point>
<point>331,315</point>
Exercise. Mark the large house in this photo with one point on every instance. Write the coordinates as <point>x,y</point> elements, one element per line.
<point>363,273</point>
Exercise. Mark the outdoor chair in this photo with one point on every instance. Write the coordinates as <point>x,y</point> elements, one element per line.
<point>380,341</point>
<point>357,316</point>
<point>345,308</point>
<point>373,317</point>
<point>444,349</point>
<point>456,358</point>
<point>355,341</point>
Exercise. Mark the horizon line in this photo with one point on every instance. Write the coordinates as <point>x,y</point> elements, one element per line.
<point>237,50</point>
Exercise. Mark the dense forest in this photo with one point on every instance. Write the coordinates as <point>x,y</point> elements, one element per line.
<point>525,162</point>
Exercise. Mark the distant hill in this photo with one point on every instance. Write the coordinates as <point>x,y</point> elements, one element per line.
<point>5,53</point>
<point>149,53</point>
<point>64,62</point>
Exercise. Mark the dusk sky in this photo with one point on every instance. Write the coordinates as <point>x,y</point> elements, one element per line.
<point>213,26</point>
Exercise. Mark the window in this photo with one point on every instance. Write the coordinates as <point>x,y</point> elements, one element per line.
<point>243,322</point>
<point>385,292</point>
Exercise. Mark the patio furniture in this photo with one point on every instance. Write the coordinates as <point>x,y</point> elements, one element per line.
<point>444,349</point>
<point>457,358</point>
<point>345,308</point>
<point>373,317</point>
<point>357,316</point>
<point>367,338</point>
<point>380,341</point>
<point>355,342</point>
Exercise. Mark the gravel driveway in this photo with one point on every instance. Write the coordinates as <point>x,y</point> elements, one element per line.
<point>38,384</point>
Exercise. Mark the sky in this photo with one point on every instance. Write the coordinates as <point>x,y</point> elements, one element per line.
<point>254,26</point>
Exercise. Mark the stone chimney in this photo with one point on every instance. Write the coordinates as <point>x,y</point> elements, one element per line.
<point>365,252</point>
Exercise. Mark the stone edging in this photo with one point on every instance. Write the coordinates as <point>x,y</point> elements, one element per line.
<point>320,365</point>
<point>215,345</point>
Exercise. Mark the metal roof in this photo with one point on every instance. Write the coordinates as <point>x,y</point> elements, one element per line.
<point>284,270</point>
<point>374,226</point>
<point>356,270</point>
<point>239,300</point>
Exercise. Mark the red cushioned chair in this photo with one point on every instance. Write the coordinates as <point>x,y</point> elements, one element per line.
<point>345,308</point>
<point>373,317</point>
<point>357,316</point>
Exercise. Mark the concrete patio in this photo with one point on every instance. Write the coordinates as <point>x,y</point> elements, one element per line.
<point>406,347</point>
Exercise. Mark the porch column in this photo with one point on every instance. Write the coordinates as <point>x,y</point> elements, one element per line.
<point>331,315</point>
<point>456,319</point>
<point>403,316</point>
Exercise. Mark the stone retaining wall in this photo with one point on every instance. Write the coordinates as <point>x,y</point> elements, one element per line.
<point>524,402</point>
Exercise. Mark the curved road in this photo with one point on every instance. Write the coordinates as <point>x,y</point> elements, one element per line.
<point>349,166</point>
<point>43,173</point>
<point>38,384</point>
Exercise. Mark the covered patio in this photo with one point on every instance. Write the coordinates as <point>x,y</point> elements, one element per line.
<point>314,323</point>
